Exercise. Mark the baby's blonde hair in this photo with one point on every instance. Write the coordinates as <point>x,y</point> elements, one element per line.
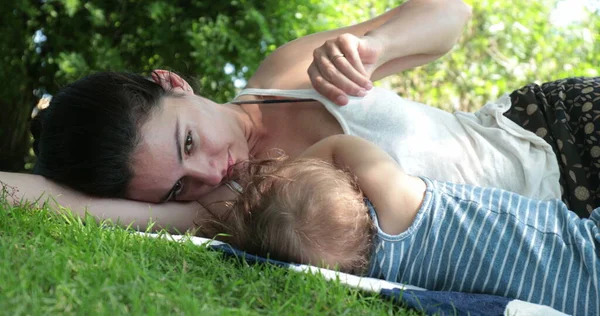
<point>304,211</point>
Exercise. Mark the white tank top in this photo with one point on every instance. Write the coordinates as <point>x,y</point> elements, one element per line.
<point>483,148</point>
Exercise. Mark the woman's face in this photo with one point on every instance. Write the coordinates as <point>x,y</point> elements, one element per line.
<point>186,148</point>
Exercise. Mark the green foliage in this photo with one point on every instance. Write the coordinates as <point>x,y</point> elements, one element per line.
<point>505,46</point>
<point>195,38</point>
<point>18,62</point>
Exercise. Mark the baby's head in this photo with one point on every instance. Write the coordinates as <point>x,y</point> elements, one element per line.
<point>304,211</point>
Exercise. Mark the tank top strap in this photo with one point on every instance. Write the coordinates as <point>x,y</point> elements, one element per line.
<point>302,93</point>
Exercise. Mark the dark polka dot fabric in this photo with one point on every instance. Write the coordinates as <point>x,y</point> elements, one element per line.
<point>566,114</point>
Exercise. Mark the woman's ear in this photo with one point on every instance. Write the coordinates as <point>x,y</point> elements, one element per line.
<point>171,81</point>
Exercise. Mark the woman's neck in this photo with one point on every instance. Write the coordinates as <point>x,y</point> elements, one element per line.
<point>267,124</point>
<point>291,127</point>
<point>250,119</point>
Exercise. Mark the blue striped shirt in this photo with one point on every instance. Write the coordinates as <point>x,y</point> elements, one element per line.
<point>486,240</point>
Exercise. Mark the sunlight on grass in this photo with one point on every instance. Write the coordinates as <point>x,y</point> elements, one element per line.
<point>56,264</point>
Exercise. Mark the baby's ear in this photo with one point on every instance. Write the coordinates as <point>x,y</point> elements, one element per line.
<point>171,81</point>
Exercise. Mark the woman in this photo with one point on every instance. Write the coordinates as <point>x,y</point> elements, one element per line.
<point>182,146</point>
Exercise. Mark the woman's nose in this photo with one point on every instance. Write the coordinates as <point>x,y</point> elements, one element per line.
<point>213,178</point>
<point>205,171</point>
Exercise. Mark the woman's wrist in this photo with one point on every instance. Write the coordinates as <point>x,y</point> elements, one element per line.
<point>378,44</point>
<point>425,27</point>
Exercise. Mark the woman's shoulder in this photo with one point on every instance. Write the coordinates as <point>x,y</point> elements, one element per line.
<point>267,77</point>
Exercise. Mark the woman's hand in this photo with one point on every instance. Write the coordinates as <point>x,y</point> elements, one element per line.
<point>413,34</point>
<point>344,65</point>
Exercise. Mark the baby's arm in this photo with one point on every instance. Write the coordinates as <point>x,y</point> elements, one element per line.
<point>396,196</point>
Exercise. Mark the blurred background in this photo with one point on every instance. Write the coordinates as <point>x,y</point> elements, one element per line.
<point>219,44</point>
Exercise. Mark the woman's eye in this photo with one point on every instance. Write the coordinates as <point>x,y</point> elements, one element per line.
<point>177,188</point>
<point>188,143</point>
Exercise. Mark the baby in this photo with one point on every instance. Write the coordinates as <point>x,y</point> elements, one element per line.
<point>436,235</point>
<point>305,211</point>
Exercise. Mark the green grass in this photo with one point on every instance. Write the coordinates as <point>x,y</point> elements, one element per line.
<point>53,264</point>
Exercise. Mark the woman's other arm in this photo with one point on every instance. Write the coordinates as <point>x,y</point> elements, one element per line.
<point>429,28</point>
<point>420,34</point>
<point>176,217</point>
<point>414,33</point>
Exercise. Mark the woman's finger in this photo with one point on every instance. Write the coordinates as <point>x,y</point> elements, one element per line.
<point>348,44</point>
<point>348,63</point>
<point>335,70</point>
<point>324,87</point>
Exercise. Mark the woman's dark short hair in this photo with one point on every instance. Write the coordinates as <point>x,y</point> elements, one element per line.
<point>86,137</point>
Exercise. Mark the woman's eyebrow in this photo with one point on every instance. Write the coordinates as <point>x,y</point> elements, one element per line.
<point>177,141</point>
<point>179,157</point>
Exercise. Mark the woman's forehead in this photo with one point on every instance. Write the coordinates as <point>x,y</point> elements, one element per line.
<point>182,99</point>
<point>155,167</point>
<point>173,108</point>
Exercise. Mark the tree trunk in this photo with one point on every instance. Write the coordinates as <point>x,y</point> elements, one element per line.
<point>14,131</point>
<point>18,61</point>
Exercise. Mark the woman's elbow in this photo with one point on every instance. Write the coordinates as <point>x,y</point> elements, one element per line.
<point>458,8</point>
<point>455,8</point>
<point>464,10</point>
<point>453,16</point>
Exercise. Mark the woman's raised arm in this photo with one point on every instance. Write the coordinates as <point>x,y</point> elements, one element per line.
<point>176,217</point>
<point>412,34</point>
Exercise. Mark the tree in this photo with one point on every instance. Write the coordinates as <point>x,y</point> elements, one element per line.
<point>504,47</point>
<point>16,97</point>
<point>47,44</point>
<point>195,37</point>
